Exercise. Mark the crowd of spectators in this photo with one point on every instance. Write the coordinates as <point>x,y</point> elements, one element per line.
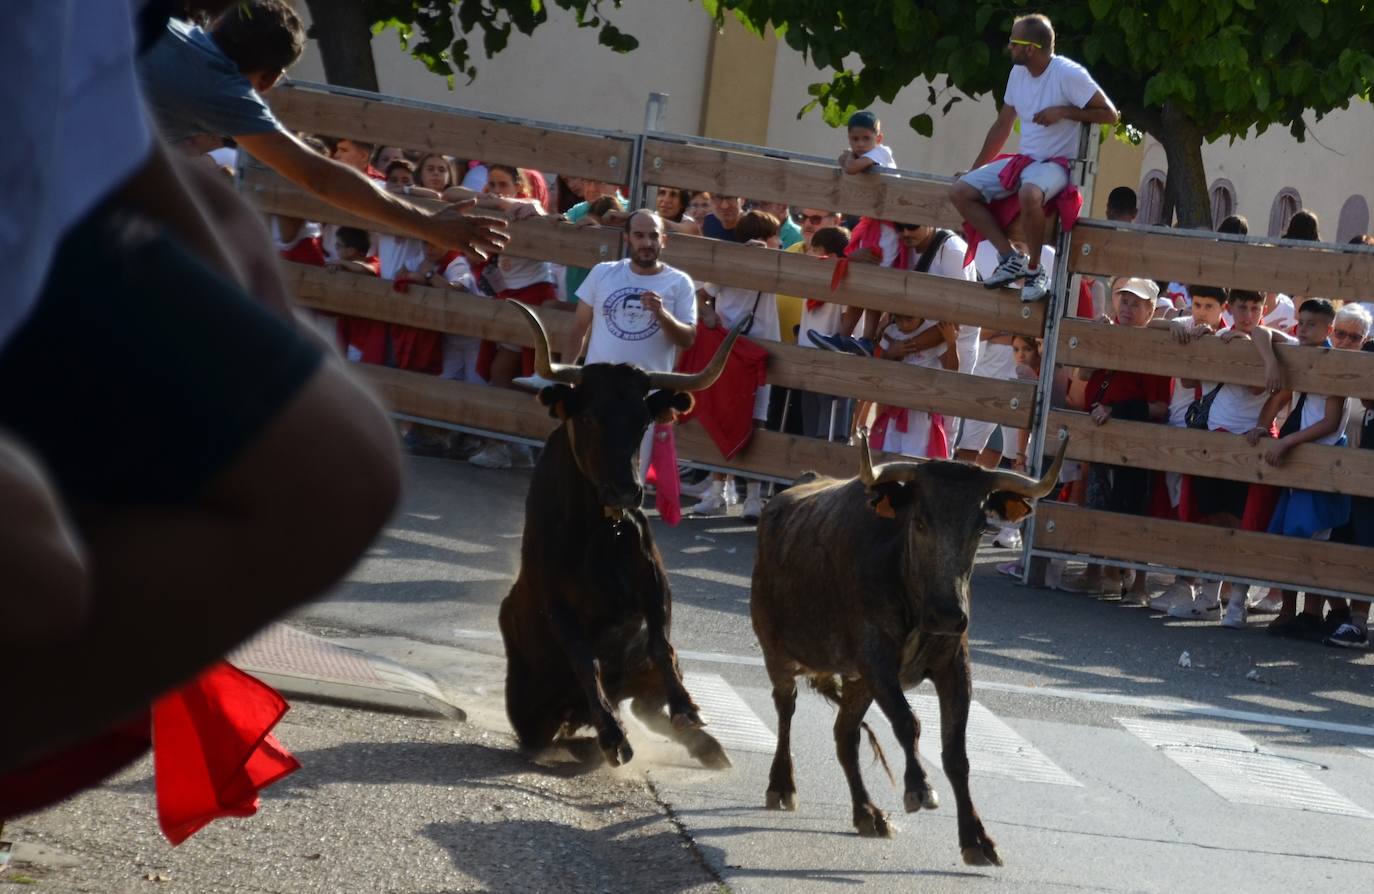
<point>1014,250</point>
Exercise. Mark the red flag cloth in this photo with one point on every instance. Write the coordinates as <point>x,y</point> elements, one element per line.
<point>662,473</point>
<point>306,250</point>
<point>213,749</point>
<point>1068,204</point>
<point>726,409</point>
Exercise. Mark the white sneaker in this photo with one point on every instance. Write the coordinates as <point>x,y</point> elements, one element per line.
<point>495,455</point>
<point>1037,286</point>
<point>1205,607</point>
<point>1270,604</point>
<point>1179,592</point>
<point>1011,268</point>
<point>753,508</point>
<point>1236,611</point>
<point>521,456</point>
<point>698,490</point>
<point>1008,538</point>
<point>731,491</point>
<point>714,502</point>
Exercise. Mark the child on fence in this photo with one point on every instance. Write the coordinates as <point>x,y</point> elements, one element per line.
<point>910,432</point>
<point>1235,409</point>
<point>364,341</point>
<point>872,241</point>
<point>823,416</point>
<point>1208,303</point>
<point>1313,419</point>
<point>400,173</point>
<point>1359,531</point>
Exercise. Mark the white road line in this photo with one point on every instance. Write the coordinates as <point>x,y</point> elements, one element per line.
<point>424,538</point>
<point>1239,770</point>
<point>710,575</point>
<point>727,717</point>
<point>994,748</point>
<point>1160,705</point>
<point>373,570</point>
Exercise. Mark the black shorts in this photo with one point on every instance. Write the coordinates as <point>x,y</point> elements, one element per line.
<point>141,373</point>
<point>1218,495</point>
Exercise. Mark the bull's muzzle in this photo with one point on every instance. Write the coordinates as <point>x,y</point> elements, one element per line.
<point>945,623</point>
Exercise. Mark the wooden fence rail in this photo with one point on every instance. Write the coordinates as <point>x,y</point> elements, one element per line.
<point>388,122</point>
<point>443,310</point>
<point>1147,445</point>
<point>1293,561</point>
<point>1323,270</point>
<point>1093,345</point>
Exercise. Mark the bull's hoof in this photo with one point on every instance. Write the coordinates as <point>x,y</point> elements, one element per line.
<point>714,758</point>
<point>914,801</point>
<point>781,801</point>
<point>872,823</point>
<point>687,720</point>
<point>583,749</point>
<point>984,854</point>
<point>618,754</point>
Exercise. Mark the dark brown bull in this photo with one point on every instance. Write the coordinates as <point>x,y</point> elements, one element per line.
<point>863,585</point>
<point>586,624</point>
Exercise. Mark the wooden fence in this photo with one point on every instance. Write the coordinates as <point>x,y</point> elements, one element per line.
<point>1093,248</point>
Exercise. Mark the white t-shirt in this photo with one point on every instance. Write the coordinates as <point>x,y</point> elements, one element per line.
<point>1063,83</point>
<point>395,254</point>
<point>881,155</point>
<point>517,273</point>
<point>1314,411</point>
<point>1235,408</point>
<point>825,319</point>
<point>734,304</point>
<point>622,330</point>
<point>949,261</point>
<point>1180,398</point>
<point>928,358</point>
<point>1283,317</point>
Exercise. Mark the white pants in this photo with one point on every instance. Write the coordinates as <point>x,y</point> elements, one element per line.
<point>995,361</point>
<point>915,441</point>
<point>460,359</point>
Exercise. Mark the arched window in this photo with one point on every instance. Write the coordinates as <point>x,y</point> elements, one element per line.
<point>1223,196</point>
<point>1151,198</point>
<point>1354,219</point>
<point>1286,204</point>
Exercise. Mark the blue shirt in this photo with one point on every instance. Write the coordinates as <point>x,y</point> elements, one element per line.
<point>193,88</point>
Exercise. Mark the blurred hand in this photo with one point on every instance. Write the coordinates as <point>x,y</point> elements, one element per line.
<point>653,302</point>
<point>474,235</point>
<point>1253,436</point>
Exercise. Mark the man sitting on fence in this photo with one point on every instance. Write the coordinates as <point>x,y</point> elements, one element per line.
<point>1051,95</point>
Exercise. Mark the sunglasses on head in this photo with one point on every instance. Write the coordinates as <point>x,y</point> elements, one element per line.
<point>1018,42</point>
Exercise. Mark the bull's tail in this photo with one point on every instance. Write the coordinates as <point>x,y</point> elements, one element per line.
<point>831,688</point>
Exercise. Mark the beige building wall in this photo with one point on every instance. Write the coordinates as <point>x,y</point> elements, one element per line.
<point>1332,165</point>
<point>561,74</point>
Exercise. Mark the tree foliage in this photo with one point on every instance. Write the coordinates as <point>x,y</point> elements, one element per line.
<point>437,32</point>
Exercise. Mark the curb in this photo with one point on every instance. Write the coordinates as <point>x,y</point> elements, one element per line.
<point>304,666</point>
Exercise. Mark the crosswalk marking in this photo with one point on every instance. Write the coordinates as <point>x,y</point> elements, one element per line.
<point>1239,770</point>
<point>727,717</point>
<point>373,570</point>
<point>452,544</point>
<point>712,576</point>
<point>994,748</point>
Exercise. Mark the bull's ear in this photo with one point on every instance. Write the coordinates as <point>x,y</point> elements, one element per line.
<point>665,406</point>
<point>559,400</point>
<point>889,499</point>
<point>1008,507</point>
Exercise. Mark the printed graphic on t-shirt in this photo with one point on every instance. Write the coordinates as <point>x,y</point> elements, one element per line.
<point>626,316</point>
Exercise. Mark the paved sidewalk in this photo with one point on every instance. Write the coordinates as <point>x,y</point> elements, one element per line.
<point>384,802</point>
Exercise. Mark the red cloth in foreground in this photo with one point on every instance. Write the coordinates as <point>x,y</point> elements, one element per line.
<point>212,752</point>
<point>213,749</point>
<point>1068,204</point>
<point>726,409</point>
<point>662,474</point>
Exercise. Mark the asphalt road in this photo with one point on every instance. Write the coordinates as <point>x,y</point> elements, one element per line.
<point>1099,763</point>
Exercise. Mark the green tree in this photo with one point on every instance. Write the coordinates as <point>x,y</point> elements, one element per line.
<point>1183,71</point>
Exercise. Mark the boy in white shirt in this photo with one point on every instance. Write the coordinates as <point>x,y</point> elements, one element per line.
<point>866,150</point>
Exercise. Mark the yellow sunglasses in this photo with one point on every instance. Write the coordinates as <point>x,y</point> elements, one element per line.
<point>1017,42</point>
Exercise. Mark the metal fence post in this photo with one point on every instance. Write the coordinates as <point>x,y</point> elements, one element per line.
<point>1032,572</point>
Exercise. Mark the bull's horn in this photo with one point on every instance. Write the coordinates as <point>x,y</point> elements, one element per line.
<point>887,473</point>
<point>557,372</point>
<point>699,381</point>
<point>1024,485</point>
